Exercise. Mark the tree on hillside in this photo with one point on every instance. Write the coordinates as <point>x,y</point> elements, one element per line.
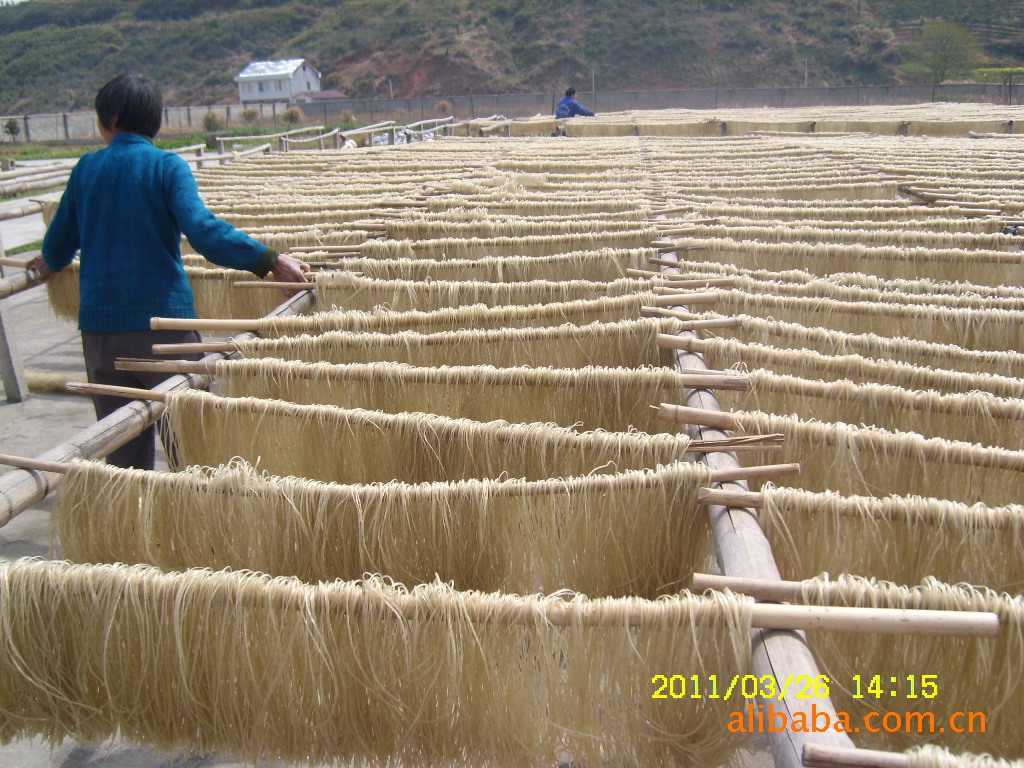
<point>942,51</point>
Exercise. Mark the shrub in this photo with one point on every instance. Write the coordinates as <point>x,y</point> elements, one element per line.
<point>12,129</point>
<point>212,122</point>
<point>443,107</point>
<point>250,115</point>
<point>293,116</point>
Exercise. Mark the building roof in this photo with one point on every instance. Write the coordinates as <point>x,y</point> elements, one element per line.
<point>321,95</point>
<point>258,69</point>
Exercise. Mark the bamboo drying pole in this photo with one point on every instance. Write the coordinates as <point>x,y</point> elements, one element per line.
<point>165,366</point>
<point>271,284</point>
<point>681,414</point>
<point>743,499</point>
<point>671,248</point>
<point>203,324</point>
<point>669,298</point>
<point>38,464</point>
<point>826,756</point>
<point>743,550</point>
<point>759,589</point>
<point>27,209</point>
<point>710,380</point>
<point>21,488</point>
<point>955,623</point>
<point>18,283</point>
<point>200,347</point>
<point>338,249</point>
<point>684,282</point>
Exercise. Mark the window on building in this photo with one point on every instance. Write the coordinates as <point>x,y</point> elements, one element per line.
<point>261,86</point>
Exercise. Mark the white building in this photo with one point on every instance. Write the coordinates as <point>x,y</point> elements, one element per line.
<point>276,80</point>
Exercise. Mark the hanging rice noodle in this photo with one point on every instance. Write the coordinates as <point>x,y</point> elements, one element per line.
<point>358,672</point>
<point>445,228</point>
<point>931,756</point>
<point>347,291</point>
<point>857,286</point>
<point>282,239</point>
<point>897,538</point>
<point>877,462</point>
<point>602,264</point>
<point>889,262</point>
<point>639,532</point>
<point>532,245</point>
<point>469,316</point>
<point>614,399</point>
<point>724,353</point>
<point>902,349</point>
<point>976,417</point>
<point>799,234</point>
<point>981,675</point>
<point>357,446</point>
<point>982,329</point>
<point>627,344</point>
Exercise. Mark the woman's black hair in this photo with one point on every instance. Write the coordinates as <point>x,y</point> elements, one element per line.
<point>570,92</point>
<point>131,103</point>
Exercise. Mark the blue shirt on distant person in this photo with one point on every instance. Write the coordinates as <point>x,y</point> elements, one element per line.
<point>570,107</point>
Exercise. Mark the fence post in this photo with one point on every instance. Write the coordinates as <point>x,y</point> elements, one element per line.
<point>12,370</point>
<point>67,132</point>
<point>28,136</point>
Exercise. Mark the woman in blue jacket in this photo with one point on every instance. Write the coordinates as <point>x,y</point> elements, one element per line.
<point>125,209</point>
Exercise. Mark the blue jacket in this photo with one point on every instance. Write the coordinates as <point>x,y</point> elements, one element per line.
<point>126,208</point>
<point>569,107</point>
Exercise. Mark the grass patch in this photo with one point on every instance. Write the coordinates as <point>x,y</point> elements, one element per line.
<point>46,151</point>
<point>37,245</point>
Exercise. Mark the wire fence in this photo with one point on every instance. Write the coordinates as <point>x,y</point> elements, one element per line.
<point>81,126</point>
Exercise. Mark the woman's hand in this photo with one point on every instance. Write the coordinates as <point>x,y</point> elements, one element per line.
<point>38,265</point>
<point>288,269</point>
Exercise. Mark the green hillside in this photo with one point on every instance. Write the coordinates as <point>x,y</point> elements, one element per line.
<point>55,53</point>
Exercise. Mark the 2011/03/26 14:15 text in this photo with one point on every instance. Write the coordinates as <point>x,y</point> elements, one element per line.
<point>799,686</point>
